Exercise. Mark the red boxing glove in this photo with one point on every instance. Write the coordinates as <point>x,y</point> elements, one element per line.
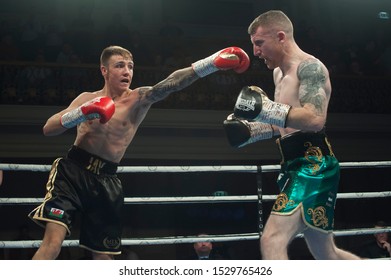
<point>229,58</point>
<point>101,107</point>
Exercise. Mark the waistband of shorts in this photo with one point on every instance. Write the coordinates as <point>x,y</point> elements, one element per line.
<point>304,144</point>
<point>91,162</point>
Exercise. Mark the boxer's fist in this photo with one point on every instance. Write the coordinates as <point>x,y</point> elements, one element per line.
<point>101,108</point>
<point>253,104</point>
<point>242,132</point>
<point>229,58</point>
<point>232,58</point>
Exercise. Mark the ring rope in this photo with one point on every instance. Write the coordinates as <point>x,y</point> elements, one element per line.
<point>215,168</point>
<point>201,199</point>
<point>186,239</point>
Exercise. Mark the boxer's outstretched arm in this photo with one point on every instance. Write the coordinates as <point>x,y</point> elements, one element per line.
<point>176,81</point>
<point>229,58</point>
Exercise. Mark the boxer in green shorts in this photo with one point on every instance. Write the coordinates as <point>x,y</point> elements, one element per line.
<point>309,171</point>
<point>308,179</point>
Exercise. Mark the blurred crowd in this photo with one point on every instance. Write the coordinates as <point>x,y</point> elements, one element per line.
<point>49,64</point>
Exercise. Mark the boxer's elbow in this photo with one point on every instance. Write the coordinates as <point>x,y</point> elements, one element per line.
<point>53,126</point>
<point>315,124</point>
<point>307,118</point>
<point>49,130</point>
<point>305,122</point>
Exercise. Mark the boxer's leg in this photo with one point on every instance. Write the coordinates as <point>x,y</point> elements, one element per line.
<point>52,241</point>
<point>278,233</point>
<point>322,246</point>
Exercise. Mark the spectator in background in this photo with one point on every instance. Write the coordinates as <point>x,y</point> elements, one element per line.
<point>205,250</point>
<point>380,246</point>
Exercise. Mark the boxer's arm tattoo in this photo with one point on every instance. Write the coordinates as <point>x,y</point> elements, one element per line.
<point>174,82</point>
<point>144,91</point>
<point>312,85</point>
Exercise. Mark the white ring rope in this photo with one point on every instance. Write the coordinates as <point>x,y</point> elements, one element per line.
<point>193,199</point>
<point>215,168</point>
<point>201,199</point>
<point>186,239</point>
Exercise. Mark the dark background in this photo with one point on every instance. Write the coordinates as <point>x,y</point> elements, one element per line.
<point>343,34</point>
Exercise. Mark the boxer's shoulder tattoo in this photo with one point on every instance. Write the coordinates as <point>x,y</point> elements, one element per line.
<point>143,91</point>
<point>312,77</point>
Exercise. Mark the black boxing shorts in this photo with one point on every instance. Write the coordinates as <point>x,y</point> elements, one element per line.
<point>85,183</point>
<point>304,144</point>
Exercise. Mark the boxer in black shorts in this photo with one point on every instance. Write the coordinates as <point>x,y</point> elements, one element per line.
<point>107,121</point>
<point>84,182</point>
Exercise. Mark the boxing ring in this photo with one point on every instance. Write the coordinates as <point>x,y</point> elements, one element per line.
<point>258,198</point>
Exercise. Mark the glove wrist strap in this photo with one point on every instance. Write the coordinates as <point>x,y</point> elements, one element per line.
<point>274,113</point>
<point>205,66</point>
<point>260,131</point>
<point>72,118</point>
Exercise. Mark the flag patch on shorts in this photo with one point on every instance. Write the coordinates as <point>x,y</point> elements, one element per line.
<point>58,213</point>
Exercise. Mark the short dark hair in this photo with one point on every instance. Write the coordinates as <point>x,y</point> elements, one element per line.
<point>380,224</point>
<point>114,50</point>
<point>273,19</point>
